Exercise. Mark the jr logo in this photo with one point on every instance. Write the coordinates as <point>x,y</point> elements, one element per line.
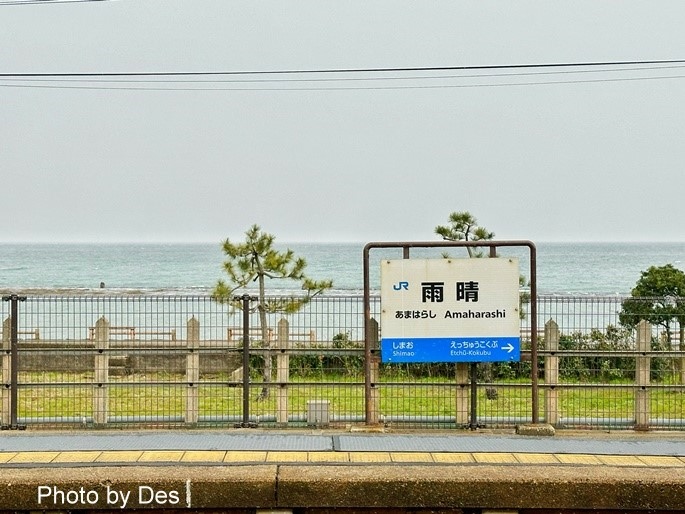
<point>401,285</point>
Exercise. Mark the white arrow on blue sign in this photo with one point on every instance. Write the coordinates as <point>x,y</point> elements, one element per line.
<point>445,349</point>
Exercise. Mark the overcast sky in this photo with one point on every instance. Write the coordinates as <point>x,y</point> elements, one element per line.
<point>549,154</point>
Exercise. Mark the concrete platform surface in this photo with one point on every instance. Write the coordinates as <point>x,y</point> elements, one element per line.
<point>258,445</point>
<point>319,469</point>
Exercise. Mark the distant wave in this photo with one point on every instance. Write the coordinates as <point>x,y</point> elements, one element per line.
<point>205,291</point>
<point>161,291</point>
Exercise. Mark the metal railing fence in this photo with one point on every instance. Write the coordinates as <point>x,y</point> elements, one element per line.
<point>164,361</point>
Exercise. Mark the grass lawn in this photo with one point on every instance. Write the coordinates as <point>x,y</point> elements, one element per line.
<point>68,395</point>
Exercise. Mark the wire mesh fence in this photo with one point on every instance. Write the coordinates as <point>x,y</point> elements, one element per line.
<point>164,361</point>
<point>619,362</point>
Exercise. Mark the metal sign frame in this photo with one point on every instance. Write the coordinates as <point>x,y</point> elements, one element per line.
<point>372,354</point>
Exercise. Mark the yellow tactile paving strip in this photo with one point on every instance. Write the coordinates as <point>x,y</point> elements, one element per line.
<point>217,457</point>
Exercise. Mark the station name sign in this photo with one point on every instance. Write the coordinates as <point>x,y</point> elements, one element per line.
<point>450,310</point>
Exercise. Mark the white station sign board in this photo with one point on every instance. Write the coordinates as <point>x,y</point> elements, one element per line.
<point>450,310</point>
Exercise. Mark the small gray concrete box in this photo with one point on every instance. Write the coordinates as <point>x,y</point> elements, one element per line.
<point>318,412</point>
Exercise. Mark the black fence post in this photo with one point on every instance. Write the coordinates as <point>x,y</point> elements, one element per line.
<point>245,302</point>
<point>473,371</point>
<point>14,359</point>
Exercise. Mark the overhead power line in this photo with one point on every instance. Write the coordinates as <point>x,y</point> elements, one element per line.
<point>173,80</point>
<point>346,70</point>
<point>46,2</point>
<point>334,88</point>
<point>335,79</point>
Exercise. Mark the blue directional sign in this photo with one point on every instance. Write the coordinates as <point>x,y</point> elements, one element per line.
<point>450,310</point>
<point>441,349</point>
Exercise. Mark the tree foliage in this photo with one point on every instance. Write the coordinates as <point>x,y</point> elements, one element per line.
<point>463,226</point>
<point>658,297</point>
<point>256,260</point>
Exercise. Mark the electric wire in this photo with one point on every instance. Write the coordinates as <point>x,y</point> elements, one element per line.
<point>47,2</point>
<point>349,70</point>
<point>344,79</point>
<point>340,88</point>
<point>166,81</point>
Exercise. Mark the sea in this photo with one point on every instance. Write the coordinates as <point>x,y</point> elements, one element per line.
<point>564,268</point>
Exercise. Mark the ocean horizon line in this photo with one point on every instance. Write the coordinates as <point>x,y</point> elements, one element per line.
<point>300,242</point>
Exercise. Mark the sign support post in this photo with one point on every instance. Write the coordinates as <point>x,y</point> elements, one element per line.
<point>473,422</point>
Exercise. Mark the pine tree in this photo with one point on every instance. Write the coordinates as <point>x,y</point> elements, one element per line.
<point>256,260</point>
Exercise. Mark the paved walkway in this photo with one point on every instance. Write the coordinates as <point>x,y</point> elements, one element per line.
<point>249,446</point>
